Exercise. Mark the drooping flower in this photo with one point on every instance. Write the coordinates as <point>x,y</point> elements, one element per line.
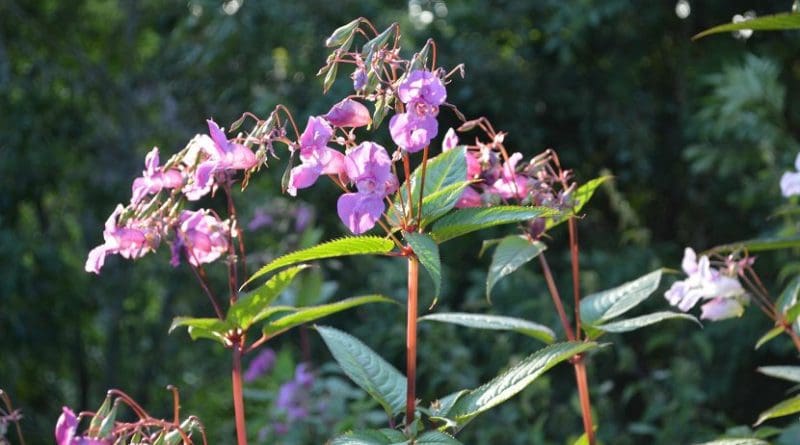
<point>203,236</point>
<point>413,131</point>
<point>132,241</point>
<point>370,168</point>
<point>154,178</point>
<point>66,426</point>
<point>316,158</point>
<point>260,365</point>
<point>706,283</point>
<point>790,181</point>
<point>348,113</point>
<point>511,184</point>
<point>422,92</point>
<point>422,86</point>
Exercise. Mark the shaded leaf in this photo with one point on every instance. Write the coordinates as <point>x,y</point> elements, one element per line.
<point>515,379</point>
<point>307,314</point>
<point>632,324</point>
<point>209,328</point>
<point>785,408</point>
<point>775,22</point>
<point>790,373</point>
<point>495,323</point>
<point>435,438</point>
<point>367,369</point>
<point>581,196</point>
<point>463,221</point>
<point>605,305</point>
<point>758,245</point>
<point>370,437</point>
<point>254,306</point>
<point>736,441</point>
<point>354,245</point>
<point>428,253</point>
<point>512,252</point>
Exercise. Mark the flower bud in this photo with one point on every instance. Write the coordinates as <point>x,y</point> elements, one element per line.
<point>348,113</point>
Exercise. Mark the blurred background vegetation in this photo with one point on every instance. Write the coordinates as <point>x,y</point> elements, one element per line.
<point>696,134</point>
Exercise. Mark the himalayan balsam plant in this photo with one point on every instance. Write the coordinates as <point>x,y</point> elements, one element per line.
<point>404,200</point>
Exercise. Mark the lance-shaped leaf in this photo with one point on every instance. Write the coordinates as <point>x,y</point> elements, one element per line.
<point>367,369</point>
<point>790,373</point>
<point>371,437</point>
<point>603,306</point>
<point>435,438</point>
<point>581,196</point>
<point>515,379</point>
<point>464,221</point>
<point>306,314</point>
<point>785,408</point>
<point>355,245</point>
<point>775,22</point>
<point>438,203</point>
<point>428,253</point>
<point>512,252</point>
<point>632,324</point>
<point>341,34</point>
<point>769,335</point>
<point>209,328</point>
<point>757,245</point>
<point>254,306</point>
<point>736,441</point>
<point>495,323</point>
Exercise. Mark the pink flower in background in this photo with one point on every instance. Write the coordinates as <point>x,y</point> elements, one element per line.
<point>66,427</point>
<point>511,184</point>
<point>260,365</point>
<point>422,86</point>
<point>132,241</point>
<point>721,308</point>
<point>450,140</point>
<point>203,236</point>
<point>370,168</point>
<point>316,158</point>
<point>469,198</point>
<point>790,181</point>
<point>154,178</point>
<point>413,131</point>
<point>348,113</point>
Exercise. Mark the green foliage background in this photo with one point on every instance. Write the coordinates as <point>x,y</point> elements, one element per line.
<point>696,134</point>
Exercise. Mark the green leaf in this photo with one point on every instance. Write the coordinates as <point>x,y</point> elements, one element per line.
<point>367,369</point>
<point>463,221</point>
<point>512,252</point>
<point>757,245</point>
<point>330,77</point>
<point>632,324</point>
<point>785,408</point>
<point>371,437</point>
<point>515,379</point>
<point>341,34</point>
<point>377,42</point>
<point>254,306</point>
<point>428,253</point>
<point>603,306</point>
<point>775,22</point>
<point>209,328</point>
<point>307,314</point>
<point>736,441</point>
<point>438,203</point>
<point>354,245</point>
<point>788,297</point>
<point>435,438</point>
<point>582,195</point>
<point>495,323</point>
<point>790,373</point>
<point>772,333</point>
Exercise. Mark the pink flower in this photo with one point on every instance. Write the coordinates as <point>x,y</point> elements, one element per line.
<point>260,365</point>
<point>66,427</point>
<point>154,179</point>
<point>469,198</point>
<point>790,181</point>
<point>316,158</point>
<point>706,283</point>
<point>131,242</point>
<point>511,184</point>
<point>422,86</point>
<point>348,113</point>
<point>203,235</point>
<point>721,308</point>
<point>370,168</point>
<point>450,140</point>
<point>413,131</point>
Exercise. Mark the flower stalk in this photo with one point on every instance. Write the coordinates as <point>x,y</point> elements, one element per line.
<point>411,338</point>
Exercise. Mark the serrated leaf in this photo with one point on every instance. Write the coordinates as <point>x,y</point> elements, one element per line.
<point>775,22</point>
<point>790,373</point>
<point>736,441</point>
<point>438,203</point>
<point>603,306</point>
<point>581,196</point>
<point>254,306</point>
<point>511,253</point>
<point>427,251</point>
<point>435,438</point>
<point>757,245</point>
<point>209,328</point>
<point>495,323</point>
<point>341,34</point>
<point>367,369</point>
<point>371,437</point>
<point>354,245</point>
<point>785,408</point>
<point>632,324</point>
<point>307,314</point>
<point>769,335</point>
<point>515,379</point>
<point>464,221</point>
<point>441,407</point>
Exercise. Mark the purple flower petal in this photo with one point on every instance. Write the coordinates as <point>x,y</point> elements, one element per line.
<point>66,426</point>
<point>412,131</point>
<point>359,211</point>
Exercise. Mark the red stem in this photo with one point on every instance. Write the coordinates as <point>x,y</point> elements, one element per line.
<point>551,285</point>
<point>238,398</point>
<point>411,338</point>
<point>576,280</point>
<point>583,394</point>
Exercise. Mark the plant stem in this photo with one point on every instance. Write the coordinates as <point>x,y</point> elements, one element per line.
<point>411,338</point>
<point>583,394</point>
<point>238,398</point>
<point>551,285</point>
<point>576,279</point>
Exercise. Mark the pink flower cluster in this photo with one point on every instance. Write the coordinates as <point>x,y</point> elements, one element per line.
<point>790,181</point>
<point>138,229</point>
<point>726,296</point>
<point>422,92</point>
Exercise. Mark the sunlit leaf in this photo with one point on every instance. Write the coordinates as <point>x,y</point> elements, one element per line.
<point>308,314</point>
<point>790,373</point>
<point>209,328</point>
<point>371,437</point>
<point>255,306</point>
<point>463,221</point>
<point>495,323</point>
<point>785,408</point>
<point>769,335</point>
<point>581,196</point>
<point>603,306</point>
<point>775,22</point>
<point>736,441</point>
<point>511,253</point>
